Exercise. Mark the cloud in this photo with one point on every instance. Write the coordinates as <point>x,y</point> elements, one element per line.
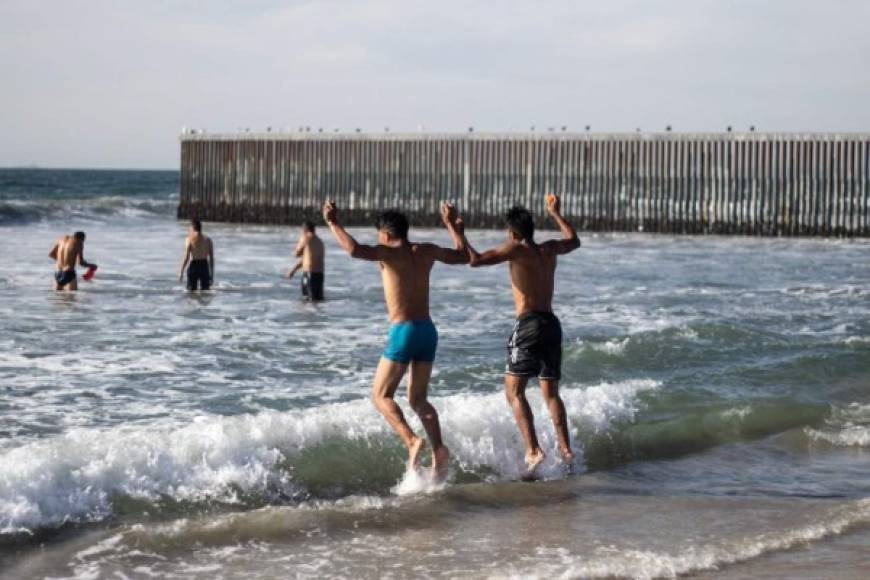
<point>100,83</point>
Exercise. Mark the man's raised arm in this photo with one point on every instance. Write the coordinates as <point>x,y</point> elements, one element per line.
<point>345,240</point>
<point>503,253</point>
<point>569,241</point>
<point>456,228</point>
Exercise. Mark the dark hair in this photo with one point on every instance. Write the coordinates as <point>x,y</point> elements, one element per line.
<point>196,225</point>
<point>80,236</point>
<point>308,226</point>
<point>521,222</point>
<point>393,222</point>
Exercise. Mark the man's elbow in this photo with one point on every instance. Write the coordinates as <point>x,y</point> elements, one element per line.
<point>354,251</point>
<point>475,262</point>
<point>572,243</point>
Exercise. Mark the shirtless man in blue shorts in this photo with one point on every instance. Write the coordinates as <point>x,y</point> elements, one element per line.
<point>535,345</point>
<point>412,340</point>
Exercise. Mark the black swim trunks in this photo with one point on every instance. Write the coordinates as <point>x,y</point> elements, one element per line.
<point>64,277</point>
<point>198,273</point>
<point>535,347</point>
<point>312,285</point>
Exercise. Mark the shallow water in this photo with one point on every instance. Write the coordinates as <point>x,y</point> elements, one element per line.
<point>716,388</point>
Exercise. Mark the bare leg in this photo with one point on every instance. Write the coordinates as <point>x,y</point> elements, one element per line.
<point>515,390</point>
<point>550,392</point>
<point>418,389</point>
<point>387,379</point>
<point>74,285</point>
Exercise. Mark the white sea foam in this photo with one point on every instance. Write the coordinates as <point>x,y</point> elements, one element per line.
<point>418,481</point>
<point>613,347</point>
<point>613,562</point>
<point>74,477</point>
<point>848,436</point>
<point>736,412</point>
<point>847,427</point>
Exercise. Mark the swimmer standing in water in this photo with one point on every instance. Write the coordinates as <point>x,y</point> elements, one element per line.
<point>312,257</point>
<point>199,252</point>
<point>67,252</point>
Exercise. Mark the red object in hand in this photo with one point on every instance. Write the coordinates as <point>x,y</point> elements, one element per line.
<point>89,275</point>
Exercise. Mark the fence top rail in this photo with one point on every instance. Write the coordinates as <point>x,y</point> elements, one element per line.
<point>555,136</point>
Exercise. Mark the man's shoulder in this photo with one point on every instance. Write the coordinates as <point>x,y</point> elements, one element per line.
<point>424,246</point>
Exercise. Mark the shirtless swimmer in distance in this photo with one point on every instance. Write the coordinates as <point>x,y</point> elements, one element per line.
<point>199,252</point>
<point>67,253</point>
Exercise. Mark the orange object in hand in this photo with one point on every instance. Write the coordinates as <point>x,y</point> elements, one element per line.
<point>551,198</point>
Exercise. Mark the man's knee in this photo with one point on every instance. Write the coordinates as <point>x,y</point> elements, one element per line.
<point>513,392</point>
<point>550,390</point>
<point>381,399</point>
<point>419,403</point>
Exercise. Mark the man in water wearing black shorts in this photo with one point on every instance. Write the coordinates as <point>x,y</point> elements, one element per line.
<point>199,251</point>
<point>310,250</point>
<point>67,252</point>
<point>535,346</point>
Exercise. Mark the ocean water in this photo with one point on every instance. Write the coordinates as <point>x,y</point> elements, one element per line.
<point>718,393</point>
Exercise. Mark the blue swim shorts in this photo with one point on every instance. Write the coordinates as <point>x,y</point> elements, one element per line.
<point>415,340</point>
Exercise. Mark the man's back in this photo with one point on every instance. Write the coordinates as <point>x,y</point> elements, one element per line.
<point>405,272</point>
<point>313,254</point>
<point>533,269</point>
<point>200,246</point>
<point>67,250</point>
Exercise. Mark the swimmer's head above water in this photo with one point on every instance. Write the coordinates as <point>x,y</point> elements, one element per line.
<point>308,226</point>
<point>520,224</point>
<point>392,225</point>
<point>79,236</point>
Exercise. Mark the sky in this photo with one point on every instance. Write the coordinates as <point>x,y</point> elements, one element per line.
<point>91,83</point>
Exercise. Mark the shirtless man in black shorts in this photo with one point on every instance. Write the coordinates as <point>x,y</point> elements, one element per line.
<point>67,252</point>
<point>199,251</point>
<point>535,346</point>
<point>312,256</point>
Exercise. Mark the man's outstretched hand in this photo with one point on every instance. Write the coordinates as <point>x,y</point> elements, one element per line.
<point>554,204</point>
<point>330,212</point>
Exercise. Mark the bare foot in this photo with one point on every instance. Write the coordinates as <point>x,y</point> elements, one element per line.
<point>567,456</point>
<point>534,459</point>
<point>414,451</point>
<point>440,463</point>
